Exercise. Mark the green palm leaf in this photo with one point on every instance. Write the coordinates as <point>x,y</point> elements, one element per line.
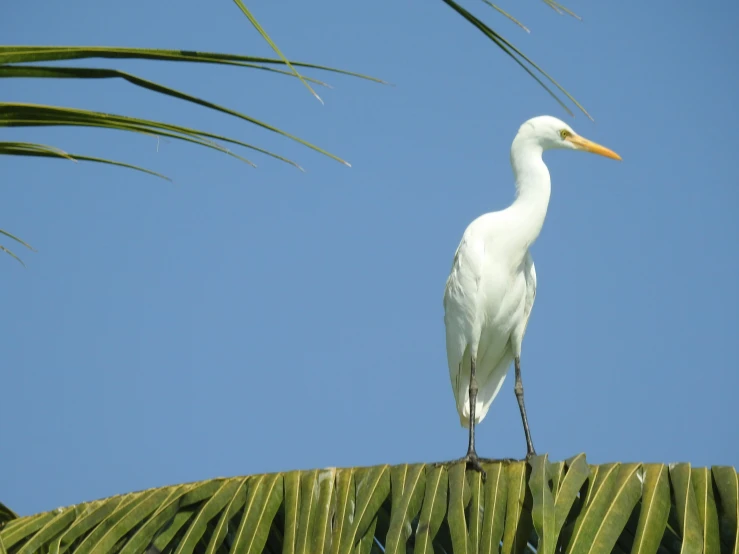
<point>518,521</point>
<point>28,54</point>
<point>274,47</point>
<point>543,507</point>
<point>6,514</point>
<point>655,508</point>
<point>10,253</point>
<point>433,509</point>
<point>496,491</point>
<point>45,151</point>
<point>408,487</point>
<point>506,14</point>
<point>727,483</point>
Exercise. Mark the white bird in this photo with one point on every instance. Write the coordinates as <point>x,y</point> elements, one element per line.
<point>492,285</point>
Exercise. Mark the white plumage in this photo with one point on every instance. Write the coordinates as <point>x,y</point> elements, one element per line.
<point>491,289</point>
<point>487,307</point>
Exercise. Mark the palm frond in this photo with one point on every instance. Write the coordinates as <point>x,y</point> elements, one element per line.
<point>13,64</point>
<point>506,14</point>
<point>560,9</point>
<point>10,253</point>
<point>45,151</point>
<point>50,72</point>
<point>274,47</point>
<point>6,514</point>
<point>517,507</point>
<point>29,54</point>
<point>17,114</point>
<point>517,55</point>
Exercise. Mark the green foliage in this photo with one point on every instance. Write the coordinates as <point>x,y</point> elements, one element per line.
<point>568,507</point>
<point>14,62</point>
<point>13,58</point>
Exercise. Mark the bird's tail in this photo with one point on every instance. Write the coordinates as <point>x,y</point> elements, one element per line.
<point>463,388</point>
<point>489,382</point>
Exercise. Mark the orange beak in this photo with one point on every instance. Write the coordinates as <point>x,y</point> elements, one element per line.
<point>590,146</point>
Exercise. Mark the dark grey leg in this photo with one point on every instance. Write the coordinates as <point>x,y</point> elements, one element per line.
<point>519,396</point>
<point>472,460</point>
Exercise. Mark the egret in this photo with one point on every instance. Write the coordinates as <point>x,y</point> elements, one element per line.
<point>492,285</point>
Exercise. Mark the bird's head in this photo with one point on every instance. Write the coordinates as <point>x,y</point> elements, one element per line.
<point>549,132</point>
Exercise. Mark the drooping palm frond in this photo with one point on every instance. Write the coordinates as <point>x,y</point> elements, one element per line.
<point>517,55</point>
<point>10,253</point>
<point>505,13</point>
<point>265,36</point>
<point>28,54</point>
<point>13,58</point>
<point>9,148</point>
<point>560,9</point>
<point>14,62</point>
<point>540,507</point>
<point>6,514</point>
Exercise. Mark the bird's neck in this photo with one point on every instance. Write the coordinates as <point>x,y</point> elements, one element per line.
<point>533,188</point>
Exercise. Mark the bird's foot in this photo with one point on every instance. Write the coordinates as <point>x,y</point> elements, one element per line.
<point>472,461</point>
<point>530,454</point>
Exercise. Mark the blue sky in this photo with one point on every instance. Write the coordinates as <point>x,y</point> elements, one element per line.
<point>251,320</point>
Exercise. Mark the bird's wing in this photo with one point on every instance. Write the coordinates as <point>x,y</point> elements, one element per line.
<point>530,273</point>
<point>461,303</point>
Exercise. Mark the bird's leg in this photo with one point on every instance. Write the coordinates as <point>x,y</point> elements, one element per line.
<point>471,458</point>
<point>519,396</point>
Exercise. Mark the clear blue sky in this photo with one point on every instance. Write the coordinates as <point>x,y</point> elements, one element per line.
<point>243,321</point>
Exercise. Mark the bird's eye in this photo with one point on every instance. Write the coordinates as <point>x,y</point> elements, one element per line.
<point>564,133</point>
